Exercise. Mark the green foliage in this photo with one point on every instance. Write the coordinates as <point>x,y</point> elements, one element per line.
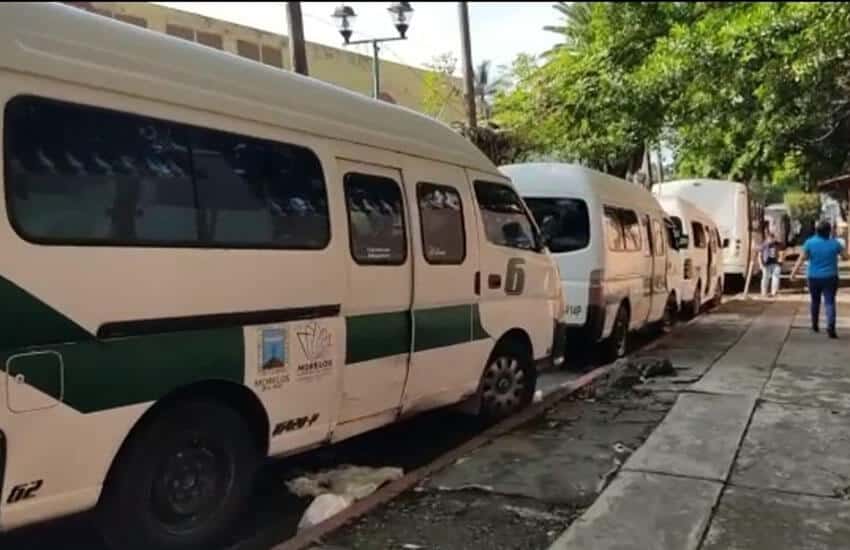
<point>438,87</point>
<point>750,91</point>
<point>804,207</point>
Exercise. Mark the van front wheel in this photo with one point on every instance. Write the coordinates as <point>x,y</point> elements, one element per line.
<point>508,383</point>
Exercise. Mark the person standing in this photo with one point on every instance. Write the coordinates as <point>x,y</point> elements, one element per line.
<point>822,251</point>
<point>770,266</point>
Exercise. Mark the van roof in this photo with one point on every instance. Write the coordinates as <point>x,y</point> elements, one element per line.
<point>555,179</point>
<point>660,187</point>
<point>677,206</point>
<point>61,42</point>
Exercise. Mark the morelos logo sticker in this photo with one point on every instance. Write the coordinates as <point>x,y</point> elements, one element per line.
<point>316,344</point>
<point>272,359</point>
<point>273,349</point>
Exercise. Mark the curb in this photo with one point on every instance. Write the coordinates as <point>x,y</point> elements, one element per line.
<point>393,489</point>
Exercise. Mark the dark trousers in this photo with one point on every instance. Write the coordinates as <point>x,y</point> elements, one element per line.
<point>826,286</point>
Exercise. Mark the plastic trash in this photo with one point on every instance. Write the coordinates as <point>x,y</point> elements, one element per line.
<point>323,507</point>
<point>355,482</point>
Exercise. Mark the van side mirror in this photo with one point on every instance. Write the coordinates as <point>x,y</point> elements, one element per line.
<point>726,243</point>
<point>683,242</point>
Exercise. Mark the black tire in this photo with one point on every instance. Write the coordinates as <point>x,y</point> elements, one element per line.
<point>617,344</point>
<point>181,481</point>
<point>671,313</point>
<point>508,383</point>
<point>694,307</point>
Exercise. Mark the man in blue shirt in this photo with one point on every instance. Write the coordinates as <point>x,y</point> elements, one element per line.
<point>822,252</point>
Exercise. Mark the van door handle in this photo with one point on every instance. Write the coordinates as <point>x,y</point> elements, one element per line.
<point>494,281</point>
<point>477,283</point>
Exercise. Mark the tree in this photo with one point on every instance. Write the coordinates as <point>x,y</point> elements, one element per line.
<point>587,101</point>
<point>438,86</point>
<point>758,92</point>
<point>485,88</point>
<point>575,26</point>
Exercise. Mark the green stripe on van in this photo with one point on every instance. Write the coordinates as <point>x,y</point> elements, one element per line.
<point>374,336</point>
<point>100,375</point>
<point>27,321</point>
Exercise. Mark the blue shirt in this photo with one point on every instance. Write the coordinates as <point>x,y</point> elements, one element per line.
<point>823,257</point>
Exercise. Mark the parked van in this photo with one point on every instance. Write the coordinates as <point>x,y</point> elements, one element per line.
<point>728,204</point>
<point>208,261</point>
<point>699,245</point>
<point>608,237</point>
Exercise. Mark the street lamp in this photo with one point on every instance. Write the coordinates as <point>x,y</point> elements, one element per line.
<point>401,14</point>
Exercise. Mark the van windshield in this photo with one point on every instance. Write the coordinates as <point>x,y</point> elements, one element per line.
<point>564,222</point>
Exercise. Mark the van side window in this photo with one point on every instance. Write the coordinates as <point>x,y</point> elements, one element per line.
<point>658,238</point>
<point>441,217</point>
<point>91,176</point>
<point>677,222</point>
<point>375,219</point>
<point>564,222</point>
<point>698,234</point>
<point>614,229</point>
<point>255,192</point>
<point>631,230</point>
<point>647,230</point>
<point>505,220</point>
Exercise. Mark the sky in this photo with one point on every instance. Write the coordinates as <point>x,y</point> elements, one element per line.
<point>499,30</point>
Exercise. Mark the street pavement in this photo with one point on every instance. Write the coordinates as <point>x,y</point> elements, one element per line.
<point>754,455</point>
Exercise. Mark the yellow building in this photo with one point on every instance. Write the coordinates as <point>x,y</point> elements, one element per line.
<point>401,84</point>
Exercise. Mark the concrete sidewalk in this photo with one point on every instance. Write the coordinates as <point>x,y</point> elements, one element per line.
<point>755,455</point>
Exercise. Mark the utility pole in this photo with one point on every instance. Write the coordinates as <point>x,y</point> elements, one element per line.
<point>297,48</point>
<point>468,76</point>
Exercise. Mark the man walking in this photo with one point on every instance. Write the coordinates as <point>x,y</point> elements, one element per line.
<point>822,252</point>
<point>770,266</point>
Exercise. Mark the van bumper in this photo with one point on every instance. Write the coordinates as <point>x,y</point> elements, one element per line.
<point>559,348</point>
<point>591,331</point>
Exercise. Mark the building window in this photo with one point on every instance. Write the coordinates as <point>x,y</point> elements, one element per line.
<point>90,176</point>
<point>506,222</point>
<point>180,32</point>
<point>273,57</point>
<point>132,19</point>
<point>441,217</point>
<point>248,49</point>
<point>209,39</point>
<point>375,219</point>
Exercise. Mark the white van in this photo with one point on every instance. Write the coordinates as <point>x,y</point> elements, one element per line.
<point>729,206</point>
<point>208,261</point>
<point>609,239</point>
<point>702,279</point>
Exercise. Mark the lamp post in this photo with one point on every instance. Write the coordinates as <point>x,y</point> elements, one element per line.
<point>401,14</point>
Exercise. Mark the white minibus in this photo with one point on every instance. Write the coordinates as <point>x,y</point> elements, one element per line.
<point>702,279</point>
<point>728,204</point>
<point>208,261</point>
<point>609,239</point>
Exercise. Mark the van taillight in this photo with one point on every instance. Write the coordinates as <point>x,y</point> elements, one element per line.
<point>737,247</point>
<point>687,270</point>
<point>595,297</point>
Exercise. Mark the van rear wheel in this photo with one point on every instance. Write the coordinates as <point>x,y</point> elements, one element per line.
<point>181,480</point>
<point>671,311</point>
<point>508,383</point>
<point>617,344</point>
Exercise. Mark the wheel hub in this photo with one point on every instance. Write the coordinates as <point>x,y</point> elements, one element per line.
<point>189,485</point>
<point>504,384</point>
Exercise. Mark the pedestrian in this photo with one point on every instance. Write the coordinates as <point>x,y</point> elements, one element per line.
<point>822,252</point>
<point>770,266</point>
